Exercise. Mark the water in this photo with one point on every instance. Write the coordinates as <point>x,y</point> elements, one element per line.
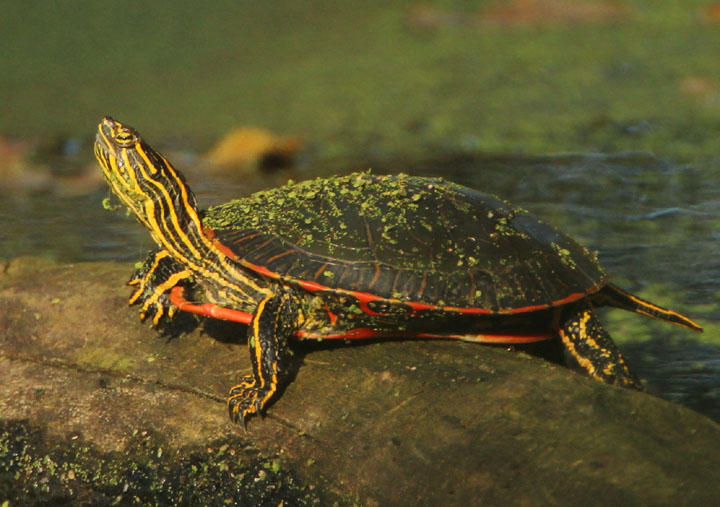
<point>653,222</point>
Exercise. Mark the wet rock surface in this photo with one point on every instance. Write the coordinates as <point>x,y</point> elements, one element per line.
<point>377,423</point>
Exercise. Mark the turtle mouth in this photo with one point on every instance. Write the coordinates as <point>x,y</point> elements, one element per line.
<point>105,148</point>
<point>105,153</point>
<point>113,144</point>
<point>102,151</point>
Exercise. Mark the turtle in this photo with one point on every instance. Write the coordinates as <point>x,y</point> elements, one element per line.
<point>361,256</point>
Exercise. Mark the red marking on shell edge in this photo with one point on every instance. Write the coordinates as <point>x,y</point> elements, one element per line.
<point>364,298</point>
<point>312,286</point>
<point>270,274</point>
<point>224,249</point>
<point>207,309</point>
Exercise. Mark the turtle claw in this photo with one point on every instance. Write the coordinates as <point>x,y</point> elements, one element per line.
<point>154,305</point>
<point>246,399</point>
<point>158,308</point>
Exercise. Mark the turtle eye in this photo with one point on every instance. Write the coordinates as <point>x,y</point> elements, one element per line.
<point>125,137</point>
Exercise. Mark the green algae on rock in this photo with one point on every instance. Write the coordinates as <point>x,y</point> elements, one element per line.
<point>38,469</point>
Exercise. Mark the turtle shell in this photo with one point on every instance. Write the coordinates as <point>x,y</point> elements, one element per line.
<point>406,238</point>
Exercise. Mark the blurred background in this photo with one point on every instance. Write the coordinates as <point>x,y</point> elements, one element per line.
<point>602,117</point>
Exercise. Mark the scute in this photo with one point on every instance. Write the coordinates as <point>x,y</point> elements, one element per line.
<point>408,238</point>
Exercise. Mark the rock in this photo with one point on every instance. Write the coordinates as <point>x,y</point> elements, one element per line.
<point>18,173</point>
<point>393,422</point>
<point>245,149</point>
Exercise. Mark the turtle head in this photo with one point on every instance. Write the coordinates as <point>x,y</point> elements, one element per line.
<point>142,178</point>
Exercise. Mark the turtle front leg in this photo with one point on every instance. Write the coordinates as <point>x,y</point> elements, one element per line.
<point>589,343</point>
<point>274,322</point>
<point>153,282</point>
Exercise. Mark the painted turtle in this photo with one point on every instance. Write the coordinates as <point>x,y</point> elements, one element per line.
<point>361,256</point>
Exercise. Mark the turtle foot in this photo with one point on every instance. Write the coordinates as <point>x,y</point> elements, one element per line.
<point>159,309</point>
<point>153,282</point>
<point>247,399</point>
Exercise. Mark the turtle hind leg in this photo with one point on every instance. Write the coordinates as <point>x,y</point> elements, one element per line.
<point>273,323</point>
<point>591,346</point>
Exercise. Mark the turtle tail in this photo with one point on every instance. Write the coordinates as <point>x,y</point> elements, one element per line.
<point>612,295</point>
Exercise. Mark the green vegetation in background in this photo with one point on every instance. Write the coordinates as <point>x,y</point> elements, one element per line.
<point>354,77</point>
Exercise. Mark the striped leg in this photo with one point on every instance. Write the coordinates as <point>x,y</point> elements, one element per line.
<point>153,282</point>
<point>275,320</point>
<point>594,350</point>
